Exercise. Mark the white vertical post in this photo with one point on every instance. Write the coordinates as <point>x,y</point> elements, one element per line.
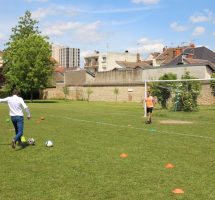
<point>145,96</point>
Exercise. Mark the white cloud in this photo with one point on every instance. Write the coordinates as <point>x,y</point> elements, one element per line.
<point>178,28</point>
<point>60,28</point>
<point>213,33</point>
<point>43,12</point>
<point>146,46</point>
<point>53,10</point>
<point>206,16</point>
<point>42,1</point>
<point>148,2</point>
<point>198,31</point>
<point>121,10</point>
<point>84,33</point>
<point>90,33</point>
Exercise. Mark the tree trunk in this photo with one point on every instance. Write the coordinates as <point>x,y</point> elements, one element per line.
<point>31,96</point>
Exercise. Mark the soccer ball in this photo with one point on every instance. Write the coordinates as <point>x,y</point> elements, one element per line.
<point>49,143</point>
<point>31,141</point>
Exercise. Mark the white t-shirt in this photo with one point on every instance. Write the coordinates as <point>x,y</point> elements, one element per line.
<point>16,104</point>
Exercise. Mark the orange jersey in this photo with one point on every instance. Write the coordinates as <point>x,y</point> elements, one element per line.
<point>149,102</point>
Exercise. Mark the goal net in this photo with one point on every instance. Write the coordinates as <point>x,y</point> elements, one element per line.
<point>183,94</point>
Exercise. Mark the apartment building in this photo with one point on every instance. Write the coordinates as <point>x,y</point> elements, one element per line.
<point>107,61</point>
<point>69,57</point>
<point>66,57</point>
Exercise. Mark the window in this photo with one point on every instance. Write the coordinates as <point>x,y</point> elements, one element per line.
<point>104,59</point>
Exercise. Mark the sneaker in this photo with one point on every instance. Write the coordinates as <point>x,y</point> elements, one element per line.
<point>148,122</point>
<point>13,144</point>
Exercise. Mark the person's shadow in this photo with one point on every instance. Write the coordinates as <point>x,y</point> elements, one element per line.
<point>22,146</point>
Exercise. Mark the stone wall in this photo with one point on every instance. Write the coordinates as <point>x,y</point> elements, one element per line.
<point>106,93</point>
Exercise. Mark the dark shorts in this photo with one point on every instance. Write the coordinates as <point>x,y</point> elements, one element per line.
<point>149,110</point>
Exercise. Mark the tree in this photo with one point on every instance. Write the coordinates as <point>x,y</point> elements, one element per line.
<point>162,90</point>
<point>187,93</point>
<point>26,26</point>
<point>27,57</point>
<point>89,92</point>
<point>65,91</point>
<point>116,92</point>
<point>212,84</point>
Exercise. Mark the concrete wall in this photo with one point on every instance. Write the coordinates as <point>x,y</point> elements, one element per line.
<point>201,72</point>
<point>72,78</point>
<point>119,76</point>
<point>135,76</point>
<point>75,77</point>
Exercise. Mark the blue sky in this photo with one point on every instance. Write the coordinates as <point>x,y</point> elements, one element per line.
<point>142,26</point>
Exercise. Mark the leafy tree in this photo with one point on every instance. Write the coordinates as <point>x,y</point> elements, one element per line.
<point>27,57</point>
<point>212,84</point>
<point>186,94</point>
<point>26,26</point>
<point>116,92</point>
<point>162,90</point>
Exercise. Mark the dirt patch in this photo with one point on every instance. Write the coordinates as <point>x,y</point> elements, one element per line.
<point>175,122</point>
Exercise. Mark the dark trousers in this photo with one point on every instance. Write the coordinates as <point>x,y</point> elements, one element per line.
<point>18,123</point>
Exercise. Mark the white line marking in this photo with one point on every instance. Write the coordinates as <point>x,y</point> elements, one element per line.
<point>142,129</point>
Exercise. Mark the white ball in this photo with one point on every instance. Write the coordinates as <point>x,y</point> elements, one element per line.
<point>49,143</point>
<point>31,141</point>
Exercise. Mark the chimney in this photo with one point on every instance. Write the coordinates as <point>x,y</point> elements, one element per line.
<point>177,51</point>
<point>192,45</point>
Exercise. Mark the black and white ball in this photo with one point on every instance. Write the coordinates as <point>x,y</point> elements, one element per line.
<point>31,141</point>
<point>49,143</point>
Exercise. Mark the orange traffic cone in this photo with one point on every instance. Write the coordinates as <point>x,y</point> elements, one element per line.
<point>178,191</point>
<point>169,166</point>
<point>123,155</point>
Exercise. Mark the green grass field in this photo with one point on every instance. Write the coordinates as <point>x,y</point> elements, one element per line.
<point>85,162</point>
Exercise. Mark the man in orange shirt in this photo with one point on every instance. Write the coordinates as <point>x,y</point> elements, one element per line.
<point>150,101</point>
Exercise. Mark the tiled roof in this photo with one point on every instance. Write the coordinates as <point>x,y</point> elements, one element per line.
<point>199,54</point>
<point>192,61</point>
<point>168,54</point>
<point>59,69</point>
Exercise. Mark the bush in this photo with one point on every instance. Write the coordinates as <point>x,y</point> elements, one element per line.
<point>162,90</point>
<point>212,84</point>
<point>186,94</point>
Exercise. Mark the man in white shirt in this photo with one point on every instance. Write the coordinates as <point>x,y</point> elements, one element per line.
<point>16,105</point>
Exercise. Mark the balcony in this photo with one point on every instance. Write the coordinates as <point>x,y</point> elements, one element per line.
<point>94,64</point>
